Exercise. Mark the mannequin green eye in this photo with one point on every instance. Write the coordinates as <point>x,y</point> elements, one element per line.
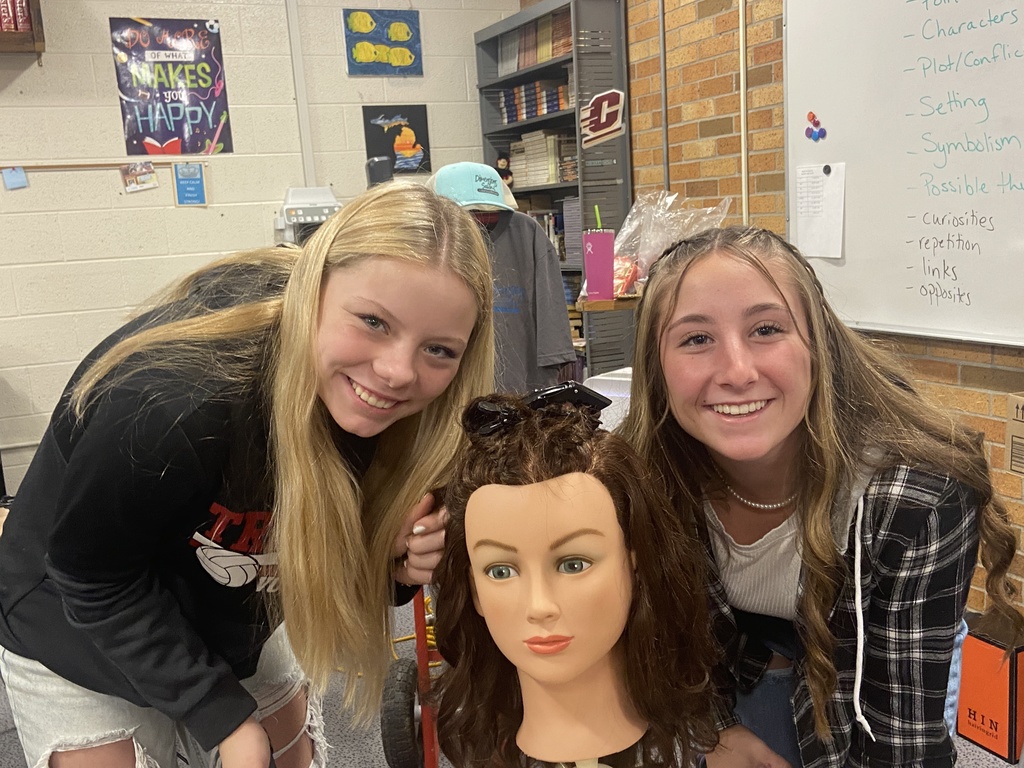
<point>500,572</point>
<point>574,565</point>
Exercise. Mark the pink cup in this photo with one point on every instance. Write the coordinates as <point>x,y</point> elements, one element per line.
<point>599,263</point>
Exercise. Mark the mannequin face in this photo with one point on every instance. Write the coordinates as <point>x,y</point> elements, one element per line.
<point>551,574</point>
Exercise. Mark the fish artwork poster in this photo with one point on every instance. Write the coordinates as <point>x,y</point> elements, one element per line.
<point>383,43</point>
<point>398,132</point>
<point>170,77</point>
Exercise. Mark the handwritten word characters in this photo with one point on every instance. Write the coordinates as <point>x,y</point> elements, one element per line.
<point>933,29</point>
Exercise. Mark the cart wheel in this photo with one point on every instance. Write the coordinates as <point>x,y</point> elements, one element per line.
<point>400,716</point>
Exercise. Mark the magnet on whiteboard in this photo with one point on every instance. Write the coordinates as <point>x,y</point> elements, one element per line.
<point>827,169</point>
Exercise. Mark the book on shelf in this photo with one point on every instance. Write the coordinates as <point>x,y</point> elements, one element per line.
<point>544,41</point>
<point>508,53</point>
<point>561,32</point>
<point>533,43</point>
<point>22,16</point>
<point>568,166</point>
<point>7,18</point>
<point>573,230</point>
<point>542,157</point>
<point>549,222</point>
<point>517,162</point>
<point>528,45</point>
<point>541,97</point>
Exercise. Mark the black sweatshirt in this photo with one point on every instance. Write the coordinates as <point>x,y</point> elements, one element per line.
<point>132,562</point>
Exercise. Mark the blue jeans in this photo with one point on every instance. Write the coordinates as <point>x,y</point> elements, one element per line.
<point>768,712</point>
<point>953,688</point>
<point>768,709</point>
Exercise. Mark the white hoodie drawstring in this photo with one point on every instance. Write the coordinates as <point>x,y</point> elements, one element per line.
<point>859,668</point>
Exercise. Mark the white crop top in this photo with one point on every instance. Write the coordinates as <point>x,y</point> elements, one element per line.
<point>763,577</point>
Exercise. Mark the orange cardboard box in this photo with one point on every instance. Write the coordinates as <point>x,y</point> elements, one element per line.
<point>991,710</point>
<point>1015,432</point>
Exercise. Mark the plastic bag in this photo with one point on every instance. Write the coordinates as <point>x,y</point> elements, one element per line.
<point>656,220</point>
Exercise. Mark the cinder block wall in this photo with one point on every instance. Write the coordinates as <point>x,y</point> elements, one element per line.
<point>702,84</point>
<point>77,253</point>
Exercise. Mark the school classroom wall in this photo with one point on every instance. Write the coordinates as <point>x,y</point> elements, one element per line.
<point>702,123</point>
<point>77,253</point>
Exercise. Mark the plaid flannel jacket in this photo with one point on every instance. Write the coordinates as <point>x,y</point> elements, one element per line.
<point>919,544</point>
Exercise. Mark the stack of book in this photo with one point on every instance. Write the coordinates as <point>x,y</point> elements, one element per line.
<point>572,221</point>
<point>542,158</point>
<point>568,162</point>
<point>541,97</point>
<point>517,162</point>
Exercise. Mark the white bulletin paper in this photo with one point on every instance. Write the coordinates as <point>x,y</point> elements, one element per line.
<point>820,203</point>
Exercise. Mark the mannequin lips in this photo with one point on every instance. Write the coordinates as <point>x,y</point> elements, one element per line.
<point>548,644</point>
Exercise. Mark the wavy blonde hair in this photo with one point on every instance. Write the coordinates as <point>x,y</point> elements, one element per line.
<point>333,536</point>
<point>861,399</point>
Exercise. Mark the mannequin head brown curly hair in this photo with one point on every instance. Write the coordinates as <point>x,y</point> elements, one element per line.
<point>667,642</point>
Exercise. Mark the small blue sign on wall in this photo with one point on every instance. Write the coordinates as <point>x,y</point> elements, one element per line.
<point>189,184</point>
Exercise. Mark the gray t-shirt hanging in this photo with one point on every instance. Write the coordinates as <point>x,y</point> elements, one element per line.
<point>531,321</point>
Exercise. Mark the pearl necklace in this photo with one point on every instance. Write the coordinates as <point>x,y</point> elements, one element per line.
<point>748,502</point>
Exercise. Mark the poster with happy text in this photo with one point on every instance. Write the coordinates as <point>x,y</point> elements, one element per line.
<point>170,76</point>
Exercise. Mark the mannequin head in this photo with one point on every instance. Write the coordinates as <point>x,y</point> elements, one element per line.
<point>550,574</point>
<point>528,479</point>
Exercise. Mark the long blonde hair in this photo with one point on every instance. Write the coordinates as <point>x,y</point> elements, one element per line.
<point>861,399</point>
<point>333,538</point>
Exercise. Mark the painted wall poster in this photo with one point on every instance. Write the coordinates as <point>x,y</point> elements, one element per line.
<point>398,132</point>
<point>384,43</point>
<point>170,75</point>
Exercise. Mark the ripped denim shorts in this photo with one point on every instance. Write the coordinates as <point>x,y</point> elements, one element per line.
<point>52,714</point>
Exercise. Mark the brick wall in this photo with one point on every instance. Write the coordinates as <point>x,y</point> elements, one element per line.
<point>702,121</point>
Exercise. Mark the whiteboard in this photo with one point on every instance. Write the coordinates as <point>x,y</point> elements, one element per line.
<point>923,101</point>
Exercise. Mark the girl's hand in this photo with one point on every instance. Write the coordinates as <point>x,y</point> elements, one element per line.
<point>419,544</point>
<point>738,747</point>
<point>248,746</point>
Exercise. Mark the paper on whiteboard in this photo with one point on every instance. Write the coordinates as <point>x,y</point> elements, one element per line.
<point>820,200</point>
